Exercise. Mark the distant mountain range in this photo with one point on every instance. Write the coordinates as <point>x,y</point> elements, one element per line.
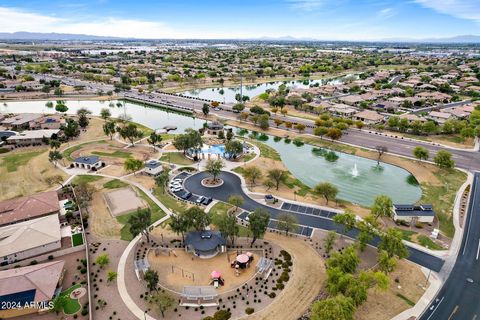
<point>83,37</point>
<point>22,35</point>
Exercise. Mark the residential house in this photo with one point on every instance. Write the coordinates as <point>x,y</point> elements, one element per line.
<point>439,116</point>
<point>29,207</point>
<point>342,110</point>
<point>33,137</point>
<point>33,286</point>
<point>352,100</point>
<point>29,238</point>
<point>369,117</point>
<point>20,121</point>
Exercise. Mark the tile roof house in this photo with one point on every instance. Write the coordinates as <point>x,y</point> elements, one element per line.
<point>87,162</point>
<point>369,117</point>
<point>29,207</point>
<point>31,284</point>
<point>29,239</point>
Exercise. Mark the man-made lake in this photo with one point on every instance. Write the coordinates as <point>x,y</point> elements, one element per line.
<point>227,94</point>
<point>358,179</point>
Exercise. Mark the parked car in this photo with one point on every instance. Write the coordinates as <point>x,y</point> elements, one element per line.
<point>206,201</point>
<point>200,199</point>
<point>186,195</point>
<point>176,189</point>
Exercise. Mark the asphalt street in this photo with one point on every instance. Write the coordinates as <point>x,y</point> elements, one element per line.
<point>232,185</point>
<point>459,298</point>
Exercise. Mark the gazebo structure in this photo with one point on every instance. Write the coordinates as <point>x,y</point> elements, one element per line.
<point>197,296</point>
<point>205,244</point>
<point>214,127</point>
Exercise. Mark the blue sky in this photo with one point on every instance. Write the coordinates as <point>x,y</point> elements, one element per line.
<point>319,19</point>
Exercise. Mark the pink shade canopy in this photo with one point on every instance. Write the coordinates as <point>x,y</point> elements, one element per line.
<point>215,274</point>
<point>242,258</point>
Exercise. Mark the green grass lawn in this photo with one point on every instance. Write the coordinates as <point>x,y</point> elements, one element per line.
<point>77,239</point>
<point>429,243</point>
<point>266,151</point>
<point>115,154</point>
<point>157,214</point>
<point>86,178</point>
<point>221,208</point>
<point>114,184</point>
<point>67,154</point>
<point>406,234</point>
<point>12,161</point>
<point>442,197</point>
<point>168,201</point>
<point>176,158</point>
<point>72,306</point>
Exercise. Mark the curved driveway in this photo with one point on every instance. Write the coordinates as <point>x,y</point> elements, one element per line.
<point>233,185</point>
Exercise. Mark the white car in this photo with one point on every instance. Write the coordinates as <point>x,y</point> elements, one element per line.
<point>176,189</point>
<point>178,180</point>
<point>200,199</point>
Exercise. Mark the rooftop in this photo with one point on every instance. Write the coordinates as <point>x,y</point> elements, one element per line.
<point>29,207</point>
<point>35,134</point>
<point>414,210</point>
<point>87,160</point>
<point>41,280</point>
<point>29,234</point>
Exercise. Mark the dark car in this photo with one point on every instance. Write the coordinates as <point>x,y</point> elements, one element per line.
<point>186,195</point>
<point>206,201</point>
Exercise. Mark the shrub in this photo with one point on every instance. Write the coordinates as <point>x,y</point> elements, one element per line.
<point>249,310</point>
<point>272,295</point>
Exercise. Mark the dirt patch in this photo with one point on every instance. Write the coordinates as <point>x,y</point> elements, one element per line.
<point>385,305</point>
<point>25,181</point>
<point>114,170</point>
<point>144,180</point>
<point>103,225</point>
<point>122,201</point>
<point>184,269</point>
<point>306,281</point>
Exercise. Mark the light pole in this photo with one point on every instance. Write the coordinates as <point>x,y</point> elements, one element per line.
<point>145,315</point>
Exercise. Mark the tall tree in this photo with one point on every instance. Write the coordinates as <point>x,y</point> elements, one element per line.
<point>130,132</point>
<point>329,241</point>
<point>214,167</point>
<point>338,307</point>
<point>197,218</point>
<point>334,133</point>
<point>421,153</point>
<point>236,200</point>
<point>179,224</point>
<point>382,207</point>
<point>133,165</point>
<point>252,173</point>
<point>392,243</point>
<point>227,225</point>
<point>205,109</point>
<point>54,156</point>
<point>287,222</point>
<point>109,129</point>
<point>276,175</point>
<point>258,223</point>
<point>154,139</point>
<point>443,159</point>
<point>347,220</point>
<point>327,190</point>
<point>151,277</point>
<point>164,301</point>
<point>161,180</point>
<point>140,223</point>
<point>105,114</point>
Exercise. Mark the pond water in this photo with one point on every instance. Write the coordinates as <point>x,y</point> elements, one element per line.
<point>359,180</point>
<point>227,94</point>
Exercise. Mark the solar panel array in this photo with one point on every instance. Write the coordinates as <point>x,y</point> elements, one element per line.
<point>287,206</point>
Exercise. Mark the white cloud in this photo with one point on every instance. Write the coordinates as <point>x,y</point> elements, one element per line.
<point>307,5</point>
<point>464,9</point>
<point>12,20</point>
<point>386,13</point>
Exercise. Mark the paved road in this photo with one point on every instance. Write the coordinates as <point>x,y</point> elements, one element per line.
<point>441,106</point>
<point>459,299</point>
<point>232,185</point>
<point>464,159</point>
